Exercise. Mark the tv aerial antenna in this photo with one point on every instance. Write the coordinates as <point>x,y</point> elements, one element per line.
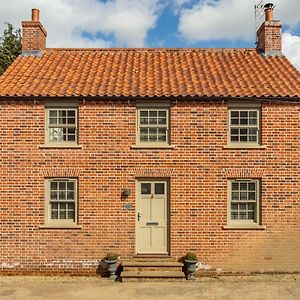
<point>259,10</point>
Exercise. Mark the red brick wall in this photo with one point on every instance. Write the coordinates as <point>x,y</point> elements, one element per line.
<point>33,36</point>
<point>269,37</point>
<point>198,168</point>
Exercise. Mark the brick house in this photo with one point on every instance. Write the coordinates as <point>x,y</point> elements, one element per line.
<point>150,153</point>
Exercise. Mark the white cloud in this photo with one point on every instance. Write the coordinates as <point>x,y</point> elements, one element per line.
<point>65,20</point>
<point>230,19</point>
<point>181,2</point>
<point>291,48</point>
<point>211,20</point>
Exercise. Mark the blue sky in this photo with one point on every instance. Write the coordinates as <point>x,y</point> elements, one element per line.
<point>155,23</point>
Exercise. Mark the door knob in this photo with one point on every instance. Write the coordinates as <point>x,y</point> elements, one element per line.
<point>139,216</point>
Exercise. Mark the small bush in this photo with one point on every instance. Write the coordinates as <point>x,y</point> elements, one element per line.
<point>111,256</point>
<point>191,256</point>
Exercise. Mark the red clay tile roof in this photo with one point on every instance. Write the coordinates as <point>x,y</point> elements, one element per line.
<point>151,72</point>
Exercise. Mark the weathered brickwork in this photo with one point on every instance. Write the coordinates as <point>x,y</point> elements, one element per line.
<point>34,36</point>
<point>269,37</point>
<point>198,168</point>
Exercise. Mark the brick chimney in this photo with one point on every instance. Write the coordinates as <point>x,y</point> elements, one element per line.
<point>33,35</point>
<point>269,34</point>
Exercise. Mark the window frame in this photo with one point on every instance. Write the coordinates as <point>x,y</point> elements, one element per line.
<point>66,105</point>
<point>246,106</point>
<point>49,126</point>
<point>153,107</point>
<point>257,210</point>
<point>60,222</point>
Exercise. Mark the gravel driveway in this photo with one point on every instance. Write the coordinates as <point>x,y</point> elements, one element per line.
<point>263,287</point>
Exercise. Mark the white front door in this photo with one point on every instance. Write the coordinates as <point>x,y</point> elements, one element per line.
<point>152,217</point>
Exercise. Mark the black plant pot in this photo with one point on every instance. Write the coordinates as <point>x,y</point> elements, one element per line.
<point>190,267</point>
<point>112,268</point>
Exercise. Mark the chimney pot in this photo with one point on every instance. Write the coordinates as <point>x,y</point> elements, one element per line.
<point>35,15</point>
<point>269,11</point>
<point>269,34</point>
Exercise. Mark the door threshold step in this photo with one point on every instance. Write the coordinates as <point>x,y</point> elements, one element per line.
<point>166,256</point>
<point>152,274</point>
<point>133,263</point>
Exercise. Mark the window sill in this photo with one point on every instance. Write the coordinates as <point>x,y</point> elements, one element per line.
<point>237,146</point>
<point>245,227</point>
<point>63,146</point>
<point>60,226</point>
<point>153,146</point>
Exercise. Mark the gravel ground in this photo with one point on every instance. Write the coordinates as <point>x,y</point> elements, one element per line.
<point>264,287</point>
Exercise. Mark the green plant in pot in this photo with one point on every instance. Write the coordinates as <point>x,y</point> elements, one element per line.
<point>111,260</point>
<point>190,265</point>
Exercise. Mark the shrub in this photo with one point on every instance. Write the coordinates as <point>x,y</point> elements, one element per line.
<point>191,256</point>
<point>111,256</point>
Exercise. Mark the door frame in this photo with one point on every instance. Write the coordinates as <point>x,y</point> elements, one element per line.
<point>153,179</point>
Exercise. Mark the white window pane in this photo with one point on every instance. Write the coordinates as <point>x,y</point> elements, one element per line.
<point>70,185</point>
<point>234,121</point>
<point>54,206</point>
<point>162,113</point>
<point>234,186</point>
<point>235,196</point>
<point>251,186</point>
<point>62,185</point>
<point>243,131</point>
<point>144,121</point>
<point>153,138</point>
<point>53,195</point>
<point>146,188</point>
<point>62,214</point>
<point>71,113</point>
<point>162,121</point>
<point>159,188</point>
<point>62,206</point>
<point>153,113</point>
<point>243,196</point>
<point>62,195</point>
<point>243,121</point>
<point>234,215</point>
<point>53,114</point>
<point>243,186</point>
<point>53,121</point>
<point>162,138</point>
<point>53,185</point>
<point>234,206</point>
<point>70,195</point>
<point>71,214</point>
<point>143,138</point>
<point>62,113</point>
<point>54,214</point>
<point>71,121</point>
<point>152,130</point>
<point>56,134</point>
<point>244,114</point>
<point>251,215</point>
<point>144,113</point>
<point>253,114</point>
<point>152,121</point>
